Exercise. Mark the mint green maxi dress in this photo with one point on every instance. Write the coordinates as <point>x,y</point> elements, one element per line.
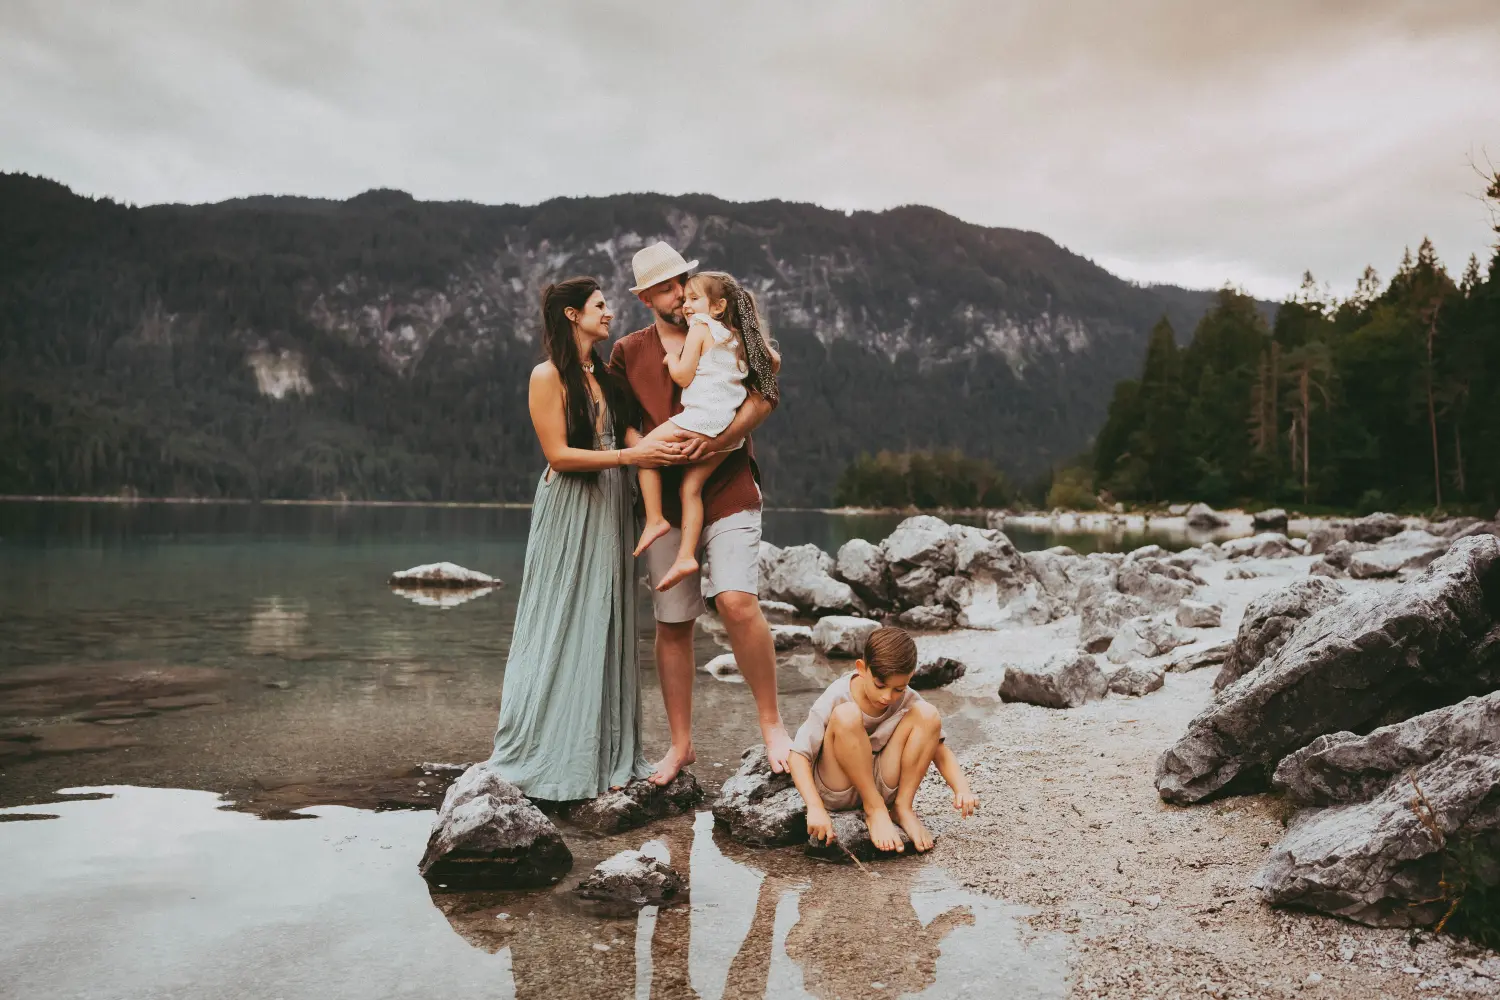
<point>570,710</point>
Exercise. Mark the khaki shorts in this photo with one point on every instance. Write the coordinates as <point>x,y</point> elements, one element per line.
<point>848,798</point>
<point>728,557</point>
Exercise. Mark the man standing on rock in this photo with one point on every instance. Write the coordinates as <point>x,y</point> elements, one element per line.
<point>729,554</point>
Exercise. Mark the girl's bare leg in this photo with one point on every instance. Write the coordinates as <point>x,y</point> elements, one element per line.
<point>692,520</point>
<point>650,480</point>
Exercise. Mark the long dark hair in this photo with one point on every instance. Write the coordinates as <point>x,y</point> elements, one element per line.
<point>742,315</point>
<point>562,350</point>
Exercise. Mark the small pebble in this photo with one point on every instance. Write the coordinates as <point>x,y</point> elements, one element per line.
<point>502,916</point>
<point>598,946</point>
<point>1313,979</point>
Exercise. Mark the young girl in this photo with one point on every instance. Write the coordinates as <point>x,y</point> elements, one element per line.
<point>726,349</point>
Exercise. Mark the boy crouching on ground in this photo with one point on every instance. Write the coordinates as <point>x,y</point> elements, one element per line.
<point>868,741</point>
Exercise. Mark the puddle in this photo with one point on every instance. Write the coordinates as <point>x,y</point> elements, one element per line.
<point>161,893</point>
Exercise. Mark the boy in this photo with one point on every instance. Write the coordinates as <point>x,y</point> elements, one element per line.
<point>868,741</point>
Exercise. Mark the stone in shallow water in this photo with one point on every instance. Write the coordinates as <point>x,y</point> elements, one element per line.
<point>852,836</point>
<point>487,835</point>
<point>761,808</point>
<point>1064,681</point>
<point>632,878</point>
<point>638,803</point>
<point>442,574</point>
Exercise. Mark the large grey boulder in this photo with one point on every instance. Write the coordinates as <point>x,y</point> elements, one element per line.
<point>1479,528</point>
<point>1067,680</point>
<point>851,835</point>
<point>1271,519</point>
<point>862,566</point>
<point>1136,679</point>
<point>766,559</point>
<point>487,835</point>
<point>987,603</point>
<point>842,635</point>
<point>1382,862</point>
<point>1270,620</point>
<point>1061,571</point>
<point>803,577</point>
<point>759,807</point>
<point>1144,638</point>
<point>1357,664</point>
<point>1102,613</point>
<point>638,803</point>
<point>1202,516</point>
<point>936,671</point>
<point>916,587</point>
<point>1373,527</point>
<point>1344,767</point>
<point>923,541</point>
<point>632,878</point>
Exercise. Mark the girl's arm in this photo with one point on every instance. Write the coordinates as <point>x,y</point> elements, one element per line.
<point>685,366</point>
<point>549,418</point>
<point>964,800</point>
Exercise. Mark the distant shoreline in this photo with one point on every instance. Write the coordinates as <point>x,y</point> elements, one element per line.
<point>468,504</point>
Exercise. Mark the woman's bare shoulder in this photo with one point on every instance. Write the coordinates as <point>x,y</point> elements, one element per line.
<point>545,374</point>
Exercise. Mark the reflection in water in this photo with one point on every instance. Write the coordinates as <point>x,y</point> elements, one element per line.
<point>276,626</point>
<point>157,892</point>
<point>440,597</point>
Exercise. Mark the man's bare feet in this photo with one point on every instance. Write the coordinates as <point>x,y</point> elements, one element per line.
<point>668,766</point>
<point>920,838</point>
<point>681,570</point>
<point>650,533</point>
<point>883,833</point>
<point>778,745</point>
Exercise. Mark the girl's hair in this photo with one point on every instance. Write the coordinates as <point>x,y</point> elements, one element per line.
<point>743,317</point>
<point>561,348</point>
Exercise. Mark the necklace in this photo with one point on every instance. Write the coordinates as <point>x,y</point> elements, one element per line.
<point>588,366</point>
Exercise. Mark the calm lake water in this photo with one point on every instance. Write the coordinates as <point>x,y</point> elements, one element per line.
<point>178,661</point>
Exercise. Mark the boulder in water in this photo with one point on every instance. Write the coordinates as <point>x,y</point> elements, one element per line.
<point>487,835</point>
<point>632,878</point>
<point>759,807</point>
<point>442,575</point>
<point>851,835</point>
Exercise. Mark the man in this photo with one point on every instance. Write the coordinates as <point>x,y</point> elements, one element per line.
<point>729,554</point>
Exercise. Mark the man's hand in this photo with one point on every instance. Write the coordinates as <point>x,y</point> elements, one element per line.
<point>819,824</point>
<point>965,802</point>
<point>650,453</point>
<point>691,447</point>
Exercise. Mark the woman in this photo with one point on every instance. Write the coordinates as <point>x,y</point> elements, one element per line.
<point>570,718</point>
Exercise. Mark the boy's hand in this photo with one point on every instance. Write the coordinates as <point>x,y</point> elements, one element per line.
<point>965,802</point>
<point>819,824</point>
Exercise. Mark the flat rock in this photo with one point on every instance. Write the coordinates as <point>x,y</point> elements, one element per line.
<point>1067,680</point>
<point>1271,519</point>
<point>1373,527</point>
<point>1199,614</point>
<point>632,879</point>
<point>851,835</point>
<point>638,803</point>
<point>758,807</point>
<point>1358,664</point>
<point>842,635</point>
<point>443,574</point>
<point>777,612</point>
<point>929,618</point>
<point>1197,659</point>
<point>1269,621</point>
<point>862,565</point>
<point>937,671</point>
<point>1344,767</point>
<point>1143,638</point>
<point>1266,545</point>
<point>789,637</point>
<point>1136,679</point>
<point>487,835</point>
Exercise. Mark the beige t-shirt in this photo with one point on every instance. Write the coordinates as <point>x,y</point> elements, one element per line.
<point>809,739</point>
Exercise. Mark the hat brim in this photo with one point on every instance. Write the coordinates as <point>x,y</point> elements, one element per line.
<point>687,266</point>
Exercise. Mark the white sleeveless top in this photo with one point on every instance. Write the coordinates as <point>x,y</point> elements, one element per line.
<point>718,386</point>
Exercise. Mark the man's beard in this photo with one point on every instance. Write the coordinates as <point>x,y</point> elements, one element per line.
<point>675,318</point>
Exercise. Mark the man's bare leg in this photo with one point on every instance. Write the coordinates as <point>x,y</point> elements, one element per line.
<point>755,655</point>
<point>674,667</point>
<point>903,764</point>
<point>846,761</point>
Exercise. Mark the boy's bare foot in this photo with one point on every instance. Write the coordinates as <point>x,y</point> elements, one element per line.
<point>668,766</point>
<point>650,533</point>
<point>778,745</point>
<point>883,833</point>
<point>920,838</point>
<point>681,570</point>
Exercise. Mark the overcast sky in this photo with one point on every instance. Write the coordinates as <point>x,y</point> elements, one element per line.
<point>1197,142</point>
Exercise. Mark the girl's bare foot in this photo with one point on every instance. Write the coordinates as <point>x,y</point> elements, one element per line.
<point>920,838</point>
<point>681,570</point>
<point>668,766</point>
<point>650,533</point>
<point>883,833</point>
<point>778,745</point>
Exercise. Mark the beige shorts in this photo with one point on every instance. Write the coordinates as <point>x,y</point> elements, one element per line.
<point>728,557</point>
<point>848,798</point>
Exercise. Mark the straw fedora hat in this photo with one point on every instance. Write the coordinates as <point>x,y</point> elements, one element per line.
<point>657,263</point>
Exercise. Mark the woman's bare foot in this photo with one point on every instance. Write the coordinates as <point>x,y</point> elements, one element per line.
<point>883,833</point>
<point>668,766</point>
<point>650,533</point>
<point>681,570</point>
<point>778,745</point>
<point>920,838</point>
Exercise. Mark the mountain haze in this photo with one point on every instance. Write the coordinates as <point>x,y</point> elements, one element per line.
<point>379,347</point>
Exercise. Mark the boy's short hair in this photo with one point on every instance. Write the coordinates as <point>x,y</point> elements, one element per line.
<point>890,652</point>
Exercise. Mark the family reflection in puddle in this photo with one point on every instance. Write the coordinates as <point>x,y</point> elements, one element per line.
<point>757,924</point>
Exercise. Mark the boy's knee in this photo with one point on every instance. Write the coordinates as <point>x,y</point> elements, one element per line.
<point>846,718</point>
